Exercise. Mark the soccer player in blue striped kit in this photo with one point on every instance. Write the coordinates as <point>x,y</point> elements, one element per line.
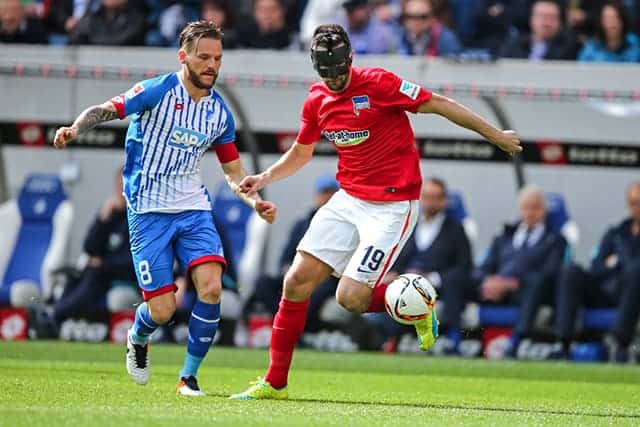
<point>175,118</point>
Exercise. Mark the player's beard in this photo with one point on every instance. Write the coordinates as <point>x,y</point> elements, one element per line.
<point>339,84</point>
<point>194,78</point>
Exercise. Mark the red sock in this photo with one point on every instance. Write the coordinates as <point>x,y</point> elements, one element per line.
<point>377,299</point>
<point>288,326</point>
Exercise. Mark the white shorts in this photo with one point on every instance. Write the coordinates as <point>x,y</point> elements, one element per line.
<point>360,239</point>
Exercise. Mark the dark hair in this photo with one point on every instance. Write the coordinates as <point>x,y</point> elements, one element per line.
<point>439,182</point>
<point>196,30</point>
<point>557,4</point>
<point>624,18</point>
<point>329,36</point>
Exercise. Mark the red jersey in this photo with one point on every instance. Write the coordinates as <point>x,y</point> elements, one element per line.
<point>368,125</point>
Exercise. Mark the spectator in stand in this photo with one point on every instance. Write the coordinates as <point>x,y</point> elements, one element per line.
<point>319,12</point>
<point>367,34</point>
<point>166,19</point>
<point>387,11</point>
<point>221,13</point>
<point>582,18</point>
<point>114,23</point>
<point>491,23</point>
<point>422,34</point>
<point>62,16</point>
<point>269,289</point>
<point>547,39</point>
<point>267,29</point>
<point>614,41</point>
<point>440,251</point>
<point>16,27</point>
<point>522,264</point>
<point>612,281</point>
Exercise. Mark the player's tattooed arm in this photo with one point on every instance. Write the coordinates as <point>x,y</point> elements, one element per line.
<point>88,119</point>
<point>95,115</point>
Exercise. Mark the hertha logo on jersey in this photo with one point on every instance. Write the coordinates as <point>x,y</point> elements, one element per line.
<point>360,103</point>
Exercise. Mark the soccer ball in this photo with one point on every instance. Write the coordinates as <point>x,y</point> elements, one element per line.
<point>410,298</point>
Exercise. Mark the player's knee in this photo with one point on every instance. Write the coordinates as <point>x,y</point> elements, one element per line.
<point>210,292</point>
<point>295,287</point>
<point>162,311</point>
<point>351,301</point>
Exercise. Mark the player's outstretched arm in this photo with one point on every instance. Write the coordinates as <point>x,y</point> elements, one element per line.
<point>506,140</point>
<point>295,158</point>
<point>88,119</point>
<point>234,173</point>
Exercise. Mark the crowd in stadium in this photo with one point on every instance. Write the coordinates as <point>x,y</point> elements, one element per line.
<point>584,30</point>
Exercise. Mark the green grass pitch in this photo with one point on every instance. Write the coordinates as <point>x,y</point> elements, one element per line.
<point>64,384</point>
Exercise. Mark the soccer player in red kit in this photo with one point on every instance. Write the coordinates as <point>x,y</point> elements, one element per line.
<point>358,234</point>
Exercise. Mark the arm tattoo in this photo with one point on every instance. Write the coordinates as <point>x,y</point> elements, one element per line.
<point>93,116</point>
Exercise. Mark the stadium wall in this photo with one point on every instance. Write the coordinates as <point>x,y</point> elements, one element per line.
<point>591,179</point>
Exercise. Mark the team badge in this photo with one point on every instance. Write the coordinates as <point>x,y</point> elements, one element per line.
<point>409,89</point>
<point>360,103</point>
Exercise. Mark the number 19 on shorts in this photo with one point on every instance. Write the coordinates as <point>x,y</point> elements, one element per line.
<point>372,259</point>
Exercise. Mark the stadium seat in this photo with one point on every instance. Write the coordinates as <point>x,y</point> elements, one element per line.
<point>35,232</point>
<point>559,219</point>
<point>247,233</point>
<point>456,209</point>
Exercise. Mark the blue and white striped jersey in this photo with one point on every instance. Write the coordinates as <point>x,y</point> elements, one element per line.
<point>166,139</point>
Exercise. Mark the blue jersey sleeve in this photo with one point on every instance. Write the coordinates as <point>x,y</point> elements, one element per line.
<point>229,133</point>
<point>144,95</point>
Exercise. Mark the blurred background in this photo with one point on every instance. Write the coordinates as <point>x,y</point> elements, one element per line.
<point>563,74</point>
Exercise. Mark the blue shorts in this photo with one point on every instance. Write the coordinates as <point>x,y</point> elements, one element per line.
<point>157,238</point>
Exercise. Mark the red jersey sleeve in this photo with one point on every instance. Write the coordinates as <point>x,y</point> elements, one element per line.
<point>309,130</point>
<point>401,94</point>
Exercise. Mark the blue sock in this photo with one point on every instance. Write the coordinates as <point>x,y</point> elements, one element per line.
<point>203,325</point>
<point>143,326</point>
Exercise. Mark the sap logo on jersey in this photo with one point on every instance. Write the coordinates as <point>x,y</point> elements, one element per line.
<point>360,103</point>
<point>343,138</point>
<point>185,138</point>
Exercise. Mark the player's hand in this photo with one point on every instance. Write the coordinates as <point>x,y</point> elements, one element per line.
<point>251,184</point>
<point>508,141</point>
<point>64,135</point>
<point>266,210</point>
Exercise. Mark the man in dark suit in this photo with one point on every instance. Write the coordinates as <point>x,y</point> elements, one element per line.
<point>522,264</point>
<point>17,27</point>
<point>547,39</point>
<point>613,280</point>
<point>440,251</point>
